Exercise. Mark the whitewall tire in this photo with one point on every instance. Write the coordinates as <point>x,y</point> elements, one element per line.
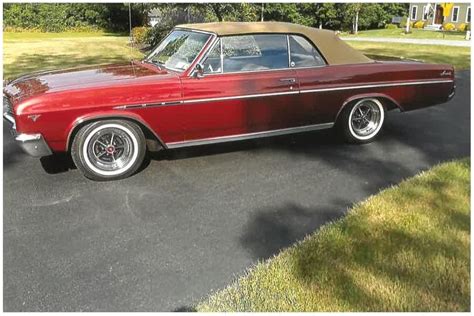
<point>109,150</point>
<point>362,120</point>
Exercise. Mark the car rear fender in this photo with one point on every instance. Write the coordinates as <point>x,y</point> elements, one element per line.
<point>388,102</point>
<point>75,126</point>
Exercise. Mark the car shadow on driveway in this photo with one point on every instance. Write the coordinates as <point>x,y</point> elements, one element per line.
<point>272,229</point>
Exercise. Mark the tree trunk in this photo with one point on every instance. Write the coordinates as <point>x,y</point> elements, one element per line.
<point>356,28</point>
<point>263,9</point>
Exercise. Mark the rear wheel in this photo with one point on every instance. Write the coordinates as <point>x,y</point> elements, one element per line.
<point>108,150</point>
<point>361,122</point>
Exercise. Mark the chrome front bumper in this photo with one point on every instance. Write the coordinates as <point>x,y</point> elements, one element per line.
<point>33,144</point>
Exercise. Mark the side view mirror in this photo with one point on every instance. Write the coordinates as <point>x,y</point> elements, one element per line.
<point>199,71</point>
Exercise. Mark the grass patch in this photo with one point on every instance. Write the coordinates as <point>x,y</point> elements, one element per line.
<point>459,57</point>
<point>404,249</point>
<point>28,52</point>
<point>415,33</point>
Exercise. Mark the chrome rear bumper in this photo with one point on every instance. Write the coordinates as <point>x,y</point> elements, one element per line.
<point>453,92</point>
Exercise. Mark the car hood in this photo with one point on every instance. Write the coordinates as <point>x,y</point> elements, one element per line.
<point>79,78</point>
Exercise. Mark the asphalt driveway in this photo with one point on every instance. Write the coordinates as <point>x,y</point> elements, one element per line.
<point>194,219</point>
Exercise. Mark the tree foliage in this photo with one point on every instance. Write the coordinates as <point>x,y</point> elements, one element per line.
<point>54,17</point>
<point>58,17</point>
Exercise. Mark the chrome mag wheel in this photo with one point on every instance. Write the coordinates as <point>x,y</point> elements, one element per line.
<point>366,119</point>
<point>110,149</point>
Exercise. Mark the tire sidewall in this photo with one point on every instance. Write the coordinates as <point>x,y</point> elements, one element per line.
<point>82,140</point>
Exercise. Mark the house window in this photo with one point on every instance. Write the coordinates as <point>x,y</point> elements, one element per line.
<point>425,13</point>
<point>455,16</point>
<point>468,15</point>
<point>414,12</point>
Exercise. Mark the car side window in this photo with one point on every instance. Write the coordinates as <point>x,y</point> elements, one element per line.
<point>254,52</point>
<point>212,64</point>
<point>303,54</point>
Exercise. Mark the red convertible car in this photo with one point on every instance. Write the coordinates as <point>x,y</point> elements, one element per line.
<point>211,83</point>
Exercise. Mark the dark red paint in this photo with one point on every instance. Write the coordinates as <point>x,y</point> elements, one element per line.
<point>66,98</point>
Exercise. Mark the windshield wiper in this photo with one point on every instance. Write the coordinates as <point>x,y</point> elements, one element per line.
<point>156,63</point>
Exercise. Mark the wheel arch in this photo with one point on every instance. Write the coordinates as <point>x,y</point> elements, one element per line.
<point>388,102</point>
<point>82,121</point>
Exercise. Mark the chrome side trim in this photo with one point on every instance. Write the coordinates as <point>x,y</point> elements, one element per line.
<point>248,96</point>
<point>377,85</point>
<point>277,132</point>
<point>145,105</point>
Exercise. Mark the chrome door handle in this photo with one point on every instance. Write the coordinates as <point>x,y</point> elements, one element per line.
<point>289,80</point>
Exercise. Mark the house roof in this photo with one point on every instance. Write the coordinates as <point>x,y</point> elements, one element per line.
<point>335,50</point>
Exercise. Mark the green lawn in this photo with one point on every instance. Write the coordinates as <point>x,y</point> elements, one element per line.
<point>404,249</point>
<point>460,57</point>
<point>27,52</point>
<point>416,33</point>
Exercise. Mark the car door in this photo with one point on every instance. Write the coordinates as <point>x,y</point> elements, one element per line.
<point>247,88</point>
<point>311,71</point>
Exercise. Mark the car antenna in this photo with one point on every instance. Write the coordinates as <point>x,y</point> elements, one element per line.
<point>130,37</point>
<point>130,34</point>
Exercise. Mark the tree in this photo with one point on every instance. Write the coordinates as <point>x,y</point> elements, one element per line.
<point>353,11</point>
<point>289,12</point>
<point>326,14</point>
<point>114,16</point>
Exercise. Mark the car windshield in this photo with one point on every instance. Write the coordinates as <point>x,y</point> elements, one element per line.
<point>178,50</point>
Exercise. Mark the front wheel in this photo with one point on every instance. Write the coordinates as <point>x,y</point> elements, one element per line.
<point>361,122</point>
<point>108,150</point>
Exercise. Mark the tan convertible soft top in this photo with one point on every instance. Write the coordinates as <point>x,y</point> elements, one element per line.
<point>335,50</point>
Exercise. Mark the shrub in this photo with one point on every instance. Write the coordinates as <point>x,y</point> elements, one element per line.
<point>140,34</point>
<point>462,27</point>
<point>156,34</point>
<point>60,17</point>
<point>419,24</point>
<point>391,26</point>
<point>449,27</point>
